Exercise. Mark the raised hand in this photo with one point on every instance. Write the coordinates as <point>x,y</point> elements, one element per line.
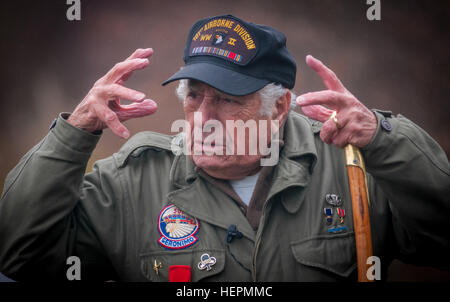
<point>353,122</point>
<point>101,107</point>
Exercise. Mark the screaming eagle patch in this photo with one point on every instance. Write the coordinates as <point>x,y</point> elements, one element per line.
<point>176,228</point>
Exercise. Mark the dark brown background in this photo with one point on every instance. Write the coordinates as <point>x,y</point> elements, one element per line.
<point>400,63</point>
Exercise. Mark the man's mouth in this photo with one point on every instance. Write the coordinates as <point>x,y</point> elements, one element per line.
<point>208,146</point>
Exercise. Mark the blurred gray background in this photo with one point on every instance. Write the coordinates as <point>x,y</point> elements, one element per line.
<point>48,63</point>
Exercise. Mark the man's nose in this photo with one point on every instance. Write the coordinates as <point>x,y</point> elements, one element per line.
<point>208,108</point>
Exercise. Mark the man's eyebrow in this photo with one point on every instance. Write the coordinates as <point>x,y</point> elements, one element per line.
<point>223,95</point>
<point>194,86</point>
<point>226,96</point>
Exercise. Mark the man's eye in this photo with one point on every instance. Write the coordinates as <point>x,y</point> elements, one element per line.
<point>228,100</point>
<point>192,95</point>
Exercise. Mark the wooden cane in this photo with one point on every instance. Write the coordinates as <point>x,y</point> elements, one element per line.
<point>360,204</point>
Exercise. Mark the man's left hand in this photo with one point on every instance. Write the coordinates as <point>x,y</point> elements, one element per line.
<point>353,123</point>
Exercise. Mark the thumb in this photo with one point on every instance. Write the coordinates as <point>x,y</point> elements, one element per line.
<point>136,110</point>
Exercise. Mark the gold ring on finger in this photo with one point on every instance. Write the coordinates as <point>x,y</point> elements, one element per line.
<point>334,118</point>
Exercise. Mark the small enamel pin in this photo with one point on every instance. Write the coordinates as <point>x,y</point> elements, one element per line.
<point>333,200</point>
<point>341,214</point>
<point>328,215</point>
<point>206,261</point>
<point>156,267</point>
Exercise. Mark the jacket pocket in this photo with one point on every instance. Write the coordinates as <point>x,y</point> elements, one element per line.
<point>333,253</point>
<point>182,257</point>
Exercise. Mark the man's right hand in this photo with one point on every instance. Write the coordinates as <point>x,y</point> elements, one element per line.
<point>101,107</point>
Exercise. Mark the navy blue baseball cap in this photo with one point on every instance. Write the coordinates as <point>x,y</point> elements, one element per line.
<point>235,56</point>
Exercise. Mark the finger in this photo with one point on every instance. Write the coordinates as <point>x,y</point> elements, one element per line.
<point>119,91</point>
<point>336,131</point>
<point>136,110</point>
<point>110,118</point>
<point>334,100</point>
<point>328,131</point>
<point>124,78</point>
<point>317,112</point>
<point>329,78</point>
<point>122,68</point>
<point>341,139</point>
<point>138,54</point>
<point>141,53</point>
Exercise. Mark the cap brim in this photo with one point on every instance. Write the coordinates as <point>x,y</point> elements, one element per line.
<point>220,78</point>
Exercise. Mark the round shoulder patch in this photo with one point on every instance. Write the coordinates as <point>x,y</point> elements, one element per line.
<point>176,228</point>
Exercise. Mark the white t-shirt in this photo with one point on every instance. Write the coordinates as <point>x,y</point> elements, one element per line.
<point>244,187</point>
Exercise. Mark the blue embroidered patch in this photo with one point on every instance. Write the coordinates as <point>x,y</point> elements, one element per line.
<point>337,229</point>
<point>176,228</point>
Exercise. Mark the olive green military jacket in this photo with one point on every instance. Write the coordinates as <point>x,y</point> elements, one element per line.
<point>112,218</point>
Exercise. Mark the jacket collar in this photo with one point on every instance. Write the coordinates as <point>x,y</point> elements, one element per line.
<point>297,158</point>
<point>299,134</point>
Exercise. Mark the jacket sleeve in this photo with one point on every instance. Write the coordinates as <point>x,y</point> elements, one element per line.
<point>43,218</point>
<point>413,172</point>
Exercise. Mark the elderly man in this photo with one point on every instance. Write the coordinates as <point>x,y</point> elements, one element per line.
<point>148,213</point>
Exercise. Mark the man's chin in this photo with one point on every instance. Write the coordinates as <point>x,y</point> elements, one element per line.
<point>227,166</point>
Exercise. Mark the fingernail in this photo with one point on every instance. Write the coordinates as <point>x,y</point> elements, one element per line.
<point>300,99</point>
<point>144,61</point>
<point>125,134</point>
<point>139,96</point>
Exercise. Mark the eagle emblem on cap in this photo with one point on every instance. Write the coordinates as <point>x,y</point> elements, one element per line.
<point>218,38</point>
<point>176,228</point>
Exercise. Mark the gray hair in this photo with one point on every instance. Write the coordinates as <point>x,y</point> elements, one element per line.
<point>269,94</point>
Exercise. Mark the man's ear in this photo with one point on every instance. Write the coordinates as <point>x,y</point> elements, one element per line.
<point>281,107</point>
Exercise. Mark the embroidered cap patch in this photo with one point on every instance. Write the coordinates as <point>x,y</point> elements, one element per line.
<point>225,37</point>
<point>176,228</point>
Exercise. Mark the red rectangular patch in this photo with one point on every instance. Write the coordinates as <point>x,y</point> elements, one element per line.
<point>179,273</point>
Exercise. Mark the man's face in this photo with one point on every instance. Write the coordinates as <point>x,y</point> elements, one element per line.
<point>210,104</point>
